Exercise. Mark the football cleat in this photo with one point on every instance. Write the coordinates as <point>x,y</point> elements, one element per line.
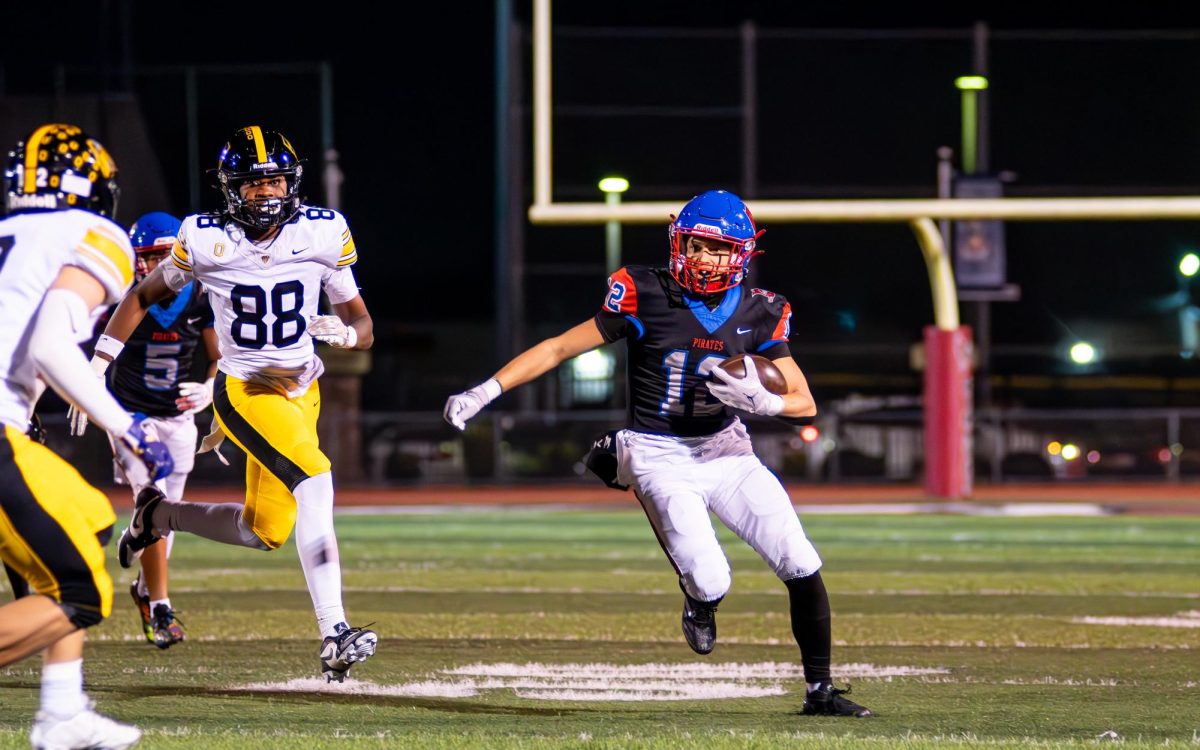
<point>86,729</point>
<point>165,630</point>
<point>344,649</point>
<point>139,535</point>
<point>699,623</point>
<point>143,606</point>
<point>827,700</point>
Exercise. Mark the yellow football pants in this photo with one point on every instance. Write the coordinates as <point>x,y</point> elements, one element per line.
<point>279,436</point>
<point>52,523</point>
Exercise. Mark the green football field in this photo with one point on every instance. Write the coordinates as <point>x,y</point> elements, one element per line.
<point>549,629</point>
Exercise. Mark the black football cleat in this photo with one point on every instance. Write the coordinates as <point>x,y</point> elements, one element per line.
<point>827,700</point>
<point>699,623</point>
<point>139,535</point>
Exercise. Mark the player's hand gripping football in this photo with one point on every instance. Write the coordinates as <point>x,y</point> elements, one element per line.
<point>331,330</point>
<point>143,460</point>
<point>78,418</point>
<point>747,393</point>
<point>194,397</point>
<point>462,406</point>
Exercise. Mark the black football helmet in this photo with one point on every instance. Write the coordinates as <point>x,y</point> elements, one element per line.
<point>250,154</point>
<point>59,167</point>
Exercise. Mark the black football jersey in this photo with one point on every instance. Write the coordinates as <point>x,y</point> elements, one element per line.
<point>675,340</point>
<point>158,356</point>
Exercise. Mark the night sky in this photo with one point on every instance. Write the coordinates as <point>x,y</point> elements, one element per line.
<point>860,117</point>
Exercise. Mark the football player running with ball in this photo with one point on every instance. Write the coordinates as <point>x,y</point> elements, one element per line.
<point>684,452</point>
<point>265,261</point>
<point>62,259</point>
<point>149,375</point>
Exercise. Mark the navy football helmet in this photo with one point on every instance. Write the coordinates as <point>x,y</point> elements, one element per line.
<point>713,215</point>
<point>59,167</point>
<point>152,236</point>
<point>250,154</point>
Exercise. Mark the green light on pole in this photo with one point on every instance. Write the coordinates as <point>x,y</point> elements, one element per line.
<point>969,85</point>
<point>1189,265</point>
<point>1083,353</point>
<point>612,187</point>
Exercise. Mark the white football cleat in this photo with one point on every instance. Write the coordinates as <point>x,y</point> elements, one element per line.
<point>348,647</point>
<point>86,729</point>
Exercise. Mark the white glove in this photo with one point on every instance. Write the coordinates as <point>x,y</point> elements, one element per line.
<point>331,330</point>
<point>194,397</point>
<point>462,406</point>
<point>76,416</point>
<point>747,394</point>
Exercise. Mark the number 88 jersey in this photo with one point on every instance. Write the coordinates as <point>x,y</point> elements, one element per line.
<point>263,296</point>
<point>676,339</point>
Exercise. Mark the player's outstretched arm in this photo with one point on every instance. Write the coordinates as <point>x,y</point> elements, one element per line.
<point>526,366</point>
<point>133,306</point>
<point>124,320</point>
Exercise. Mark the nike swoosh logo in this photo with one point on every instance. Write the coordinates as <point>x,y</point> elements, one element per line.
<point>194,321</point>
<point>297,252</point>
<point>743,330</point>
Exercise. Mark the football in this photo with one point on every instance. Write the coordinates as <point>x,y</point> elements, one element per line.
<point>768,373</point>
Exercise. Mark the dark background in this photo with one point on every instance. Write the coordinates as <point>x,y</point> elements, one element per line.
<point>414,100</point>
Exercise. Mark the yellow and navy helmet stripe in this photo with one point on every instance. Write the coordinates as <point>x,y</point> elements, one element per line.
<point>260,146</point>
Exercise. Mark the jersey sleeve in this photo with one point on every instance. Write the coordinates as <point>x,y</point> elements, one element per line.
<point>105,253</point>
<point>618,313</point>
<point>622,293</point>
<point>340,285</point>
<point>775,326</point>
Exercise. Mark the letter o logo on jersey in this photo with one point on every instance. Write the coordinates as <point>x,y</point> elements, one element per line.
<point>219,249</point>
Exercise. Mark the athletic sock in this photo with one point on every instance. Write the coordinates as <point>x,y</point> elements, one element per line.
<point>811,626</point>
<point>155,602</point>
<point>62,688</point>
<point>317,546</point>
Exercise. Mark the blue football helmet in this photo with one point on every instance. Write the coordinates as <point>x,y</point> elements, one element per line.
<point>713,215</point>
<point>253,153</point>
<point>152,236</point>
<point>57,167</point>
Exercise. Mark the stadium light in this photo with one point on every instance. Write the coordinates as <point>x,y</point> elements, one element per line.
<point>612,187</point>
<point>1070,451</point>
<point>1083,353</point>
<point>1189,265</point>
<point>970,86</point>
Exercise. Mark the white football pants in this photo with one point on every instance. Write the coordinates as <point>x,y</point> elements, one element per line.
<point>679,480</point>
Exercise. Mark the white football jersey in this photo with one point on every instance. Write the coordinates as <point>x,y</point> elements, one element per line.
<point>34,248</point>
<point>263,296</point>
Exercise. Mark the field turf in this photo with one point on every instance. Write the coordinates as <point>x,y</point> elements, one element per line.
<point>551,629</point>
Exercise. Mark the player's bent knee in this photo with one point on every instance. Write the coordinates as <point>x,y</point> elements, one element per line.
<point>267,540</point>
<point>311,459</point>
<point>798,557</point>
<point>710,580</point>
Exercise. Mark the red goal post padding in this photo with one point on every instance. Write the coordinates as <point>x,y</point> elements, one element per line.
<point>948,412</point>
